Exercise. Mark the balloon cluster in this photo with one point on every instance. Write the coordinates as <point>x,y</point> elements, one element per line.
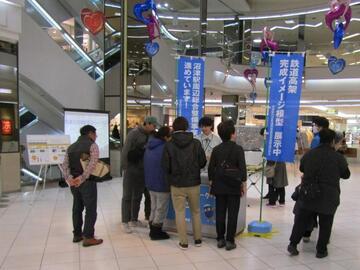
<point>151,22</point>
<point>267,44</point>
<point>338,9</point>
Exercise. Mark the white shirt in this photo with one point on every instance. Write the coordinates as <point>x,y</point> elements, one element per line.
<point>208,143</point>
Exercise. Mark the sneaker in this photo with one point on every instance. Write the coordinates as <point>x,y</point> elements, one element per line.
<point>221,243</point>
<point>230,245</point>
<point>321,255</point>
<point>88,242</point>
<point>77,239</point>
<point>306,239</point>
<point>183,246</point>
<point>139,224</point>
<point>126,228</point>
<point>292,250</point>
<point>198,243</point>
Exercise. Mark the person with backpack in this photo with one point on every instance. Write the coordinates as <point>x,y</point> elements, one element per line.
<point>132,161</point>
<point>182,160</point>
<point>227,176</point>
<point>155,182</point>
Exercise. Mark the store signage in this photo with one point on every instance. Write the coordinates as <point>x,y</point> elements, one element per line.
<point>190,90</point>
<point>6,127</point>
<point>285,94</point>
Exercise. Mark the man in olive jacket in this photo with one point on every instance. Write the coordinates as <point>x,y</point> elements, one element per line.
<point>183,158</point>
<point>323,166</point>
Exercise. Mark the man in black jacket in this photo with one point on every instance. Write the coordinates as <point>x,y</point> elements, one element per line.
<point>322,167</point>
<point>227,190</point>
<point>183,158</point>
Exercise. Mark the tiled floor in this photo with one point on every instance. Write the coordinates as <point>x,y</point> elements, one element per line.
<point>39,236</point>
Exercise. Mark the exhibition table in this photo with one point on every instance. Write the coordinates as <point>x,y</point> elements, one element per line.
<point>207,209</point>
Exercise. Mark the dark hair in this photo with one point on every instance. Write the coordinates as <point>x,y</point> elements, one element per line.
<point>225,130</point>
<point>327,136</point>
<point>206,122</point>
<point>180,123</point>
<point>262,131</point>
<point>321,122</point>
<point>162,133</point>
<point>85,130</point>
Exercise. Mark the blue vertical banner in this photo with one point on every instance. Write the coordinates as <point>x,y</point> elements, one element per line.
<point>284,104</point>
<point>190,90</point>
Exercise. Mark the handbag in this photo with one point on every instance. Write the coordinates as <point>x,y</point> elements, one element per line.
<point>270,170</point>
<point>228,172</point>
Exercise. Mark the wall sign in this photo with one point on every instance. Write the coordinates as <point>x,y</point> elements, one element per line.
<point>6,127</point>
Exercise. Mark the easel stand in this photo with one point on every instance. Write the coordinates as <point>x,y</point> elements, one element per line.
<point>42,176</point>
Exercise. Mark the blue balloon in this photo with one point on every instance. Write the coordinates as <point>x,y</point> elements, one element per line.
<point>139,8</point>
<point>339,34</point>
<point>267,82</point>
<point>152,48</point>
<point>336,65</point>
<point>253,96</point>
<point>265,56</point>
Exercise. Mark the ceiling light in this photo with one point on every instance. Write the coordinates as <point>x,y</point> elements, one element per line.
<point>166,5</point>
<point>167,100</point>
<point>164,87</point>
<point>289,21</point>
<point>5,91</point>
<point>319,55</point>
<point>257,40</point>
<point>158,5</point>
<point>322,58</point>
<point>113,5</point>
<point>187,46</point>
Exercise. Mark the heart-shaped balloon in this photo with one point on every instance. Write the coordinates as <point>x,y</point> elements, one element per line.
<point>93,21</point>
<point>140,8</point>
<point>336,13</point>
<point>251,75</point>
<point>336,65</point>
<point>338,35</point>
<point>152,48</point>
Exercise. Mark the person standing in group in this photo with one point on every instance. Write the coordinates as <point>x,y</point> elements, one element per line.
<point>156,184</point>
<point>183,158</point>
<point>322,167</point>
<point>207,137</point>
<point>132,161</point>
<point>83,187</point>
<point>227,187</point>
<point>319,123</point>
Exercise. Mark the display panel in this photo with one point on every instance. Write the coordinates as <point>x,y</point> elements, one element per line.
<point>75,119</point>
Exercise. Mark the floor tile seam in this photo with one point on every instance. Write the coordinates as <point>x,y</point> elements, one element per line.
<point>18,232</point>
<point>264,261</point>
<point>51,220</point>
<point>149,254</point>
<point>108,236</point>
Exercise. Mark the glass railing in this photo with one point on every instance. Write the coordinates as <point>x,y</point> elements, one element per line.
<point>304,32</point>
<point>88,62</point>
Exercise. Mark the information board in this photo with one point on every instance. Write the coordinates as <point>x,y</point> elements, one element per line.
<point>47,149</point>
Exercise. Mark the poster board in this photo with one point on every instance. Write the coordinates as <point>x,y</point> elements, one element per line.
<point>76,119</point>
<point>47,149</point>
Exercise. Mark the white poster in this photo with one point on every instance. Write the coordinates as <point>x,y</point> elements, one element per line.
<point>47,149</point>
<point>74,120</point>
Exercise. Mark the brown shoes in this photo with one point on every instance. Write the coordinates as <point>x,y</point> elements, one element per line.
<point>88,242</point>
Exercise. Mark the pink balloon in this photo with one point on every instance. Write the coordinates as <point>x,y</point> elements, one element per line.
<point>268,40</point>
<point>335,13</point>
<point>151,26</point>
<point>251,75</point>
